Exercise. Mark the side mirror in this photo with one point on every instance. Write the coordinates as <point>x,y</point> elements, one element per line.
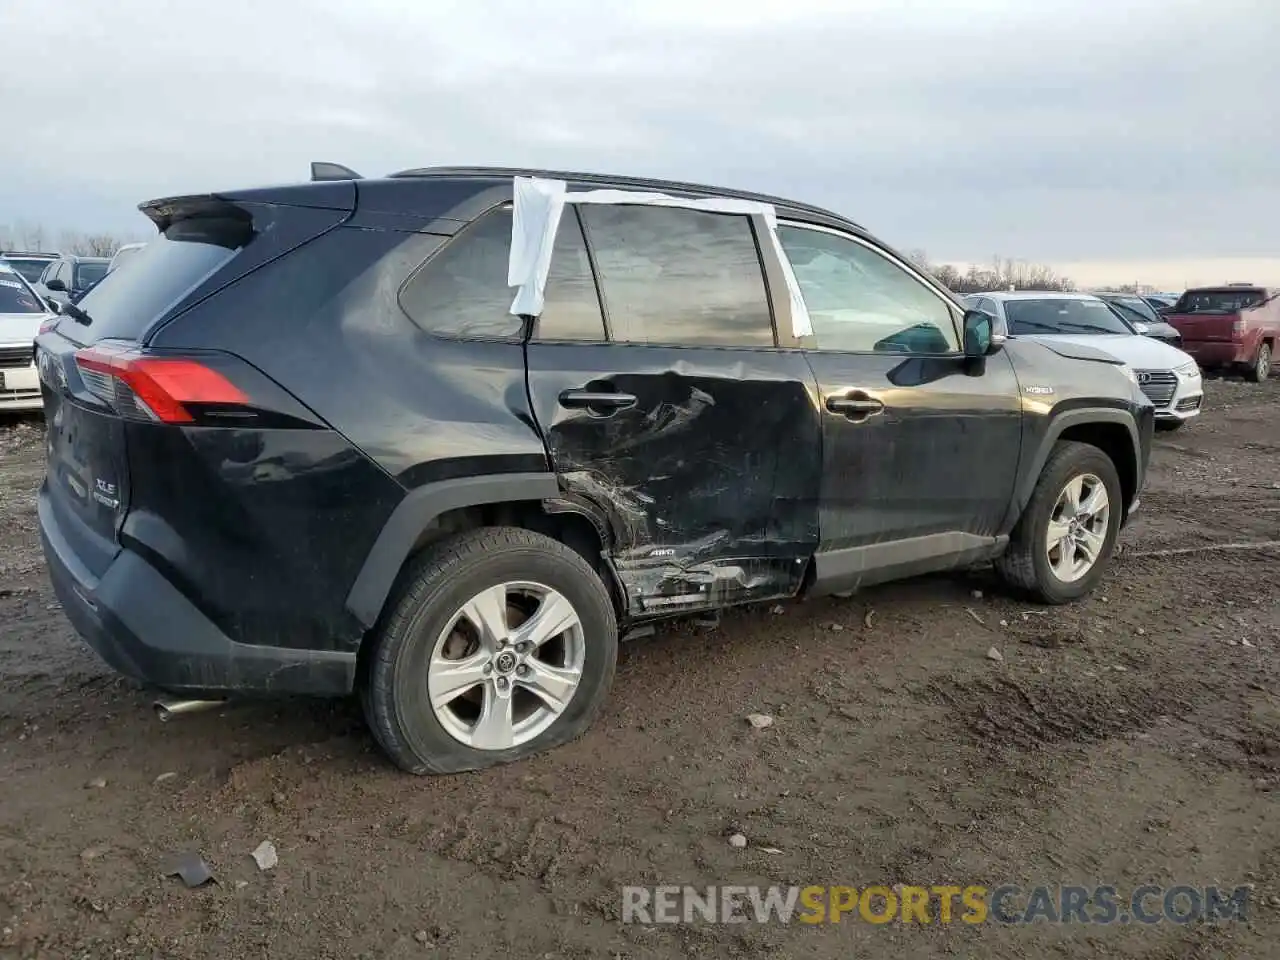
<point>56,285</point>
<point>980,338</point>
<point>1142,328</point>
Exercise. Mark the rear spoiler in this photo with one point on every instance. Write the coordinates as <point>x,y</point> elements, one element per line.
<point>167,211</point>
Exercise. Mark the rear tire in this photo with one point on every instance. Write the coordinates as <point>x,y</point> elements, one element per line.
<point>1027,565</point>
<point>471,595</point>
<point>1260,369</point>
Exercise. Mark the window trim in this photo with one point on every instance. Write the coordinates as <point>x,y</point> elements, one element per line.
<point>954,310</point>
<point>606,326</point>
<point>761,262</point>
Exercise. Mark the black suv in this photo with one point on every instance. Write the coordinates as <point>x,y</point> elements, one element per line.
<point>303,445</point>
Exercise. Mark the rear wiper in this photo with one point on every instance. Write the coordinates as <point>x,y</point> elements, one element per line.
<point>76,314</point>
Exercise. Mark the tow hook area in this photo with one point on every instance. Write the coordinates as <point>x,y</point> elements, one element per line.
<point>168,709</point>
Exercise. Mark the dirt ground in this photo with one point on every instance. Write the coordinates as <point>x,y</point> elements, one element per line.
<point>1133,738</point>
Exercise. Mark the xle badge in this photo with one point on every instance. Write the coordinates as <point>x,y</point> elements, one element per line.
<point>105,494</point>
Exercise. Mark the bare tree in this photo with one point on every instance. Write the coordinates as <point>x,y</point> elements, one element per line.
<point>90,244</point>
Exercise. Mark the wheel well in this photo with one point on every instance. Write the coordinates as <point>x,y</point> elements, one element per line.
<point>1114,440</point>
<point>573,529</point>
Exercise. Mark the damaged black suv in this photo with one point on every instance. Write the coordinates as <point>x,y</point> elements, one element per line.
<point>435,438</point>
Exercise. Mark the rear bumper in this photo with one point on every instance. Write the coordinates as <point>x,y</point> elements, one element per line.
<point>1211,354</point>
<point>143,627</point>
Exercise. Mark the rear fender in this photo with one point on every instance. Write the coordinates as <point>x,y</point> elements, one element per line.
<point>413,517</point>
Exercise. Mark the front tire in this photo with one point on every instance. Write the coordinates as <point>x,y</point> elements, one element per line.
<point>501,643</point>
<point>1061,545</point>
<point>1260,369</point>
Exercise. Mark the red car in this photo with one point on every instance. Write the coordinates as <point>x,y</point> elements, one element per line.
<point>1237,325</point>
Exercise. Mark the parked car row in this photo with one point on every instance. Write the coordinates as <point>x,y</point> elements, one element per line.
<point>1167,375</point>
<point>34,288</point>
<point>1236,326</point>
<point>21,313</point>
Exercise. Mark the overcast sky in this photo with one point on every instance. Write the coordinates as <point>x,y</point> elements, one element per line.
<point>1109,135</point>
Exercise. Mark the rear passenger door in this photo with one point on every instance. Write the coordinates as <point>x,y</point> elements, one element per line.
<point>667,408</point>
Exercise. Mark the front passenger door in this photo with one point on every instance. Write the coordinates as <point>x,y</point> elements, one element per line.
<point>920,444</point>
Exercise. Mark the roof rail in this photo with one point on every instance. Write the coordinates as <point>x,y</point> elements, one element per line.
<point>622,182</point>
<point>323,170</point>
<point>47,254</point>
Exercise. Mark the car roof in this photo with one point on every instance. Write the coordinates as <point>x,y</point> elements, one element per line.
<point>1035,295</point>
<point>619,181</point>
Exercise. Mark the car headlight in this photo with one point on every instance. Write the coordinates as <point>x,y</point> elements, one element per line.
<point>1128,372</point>
<point>1188,371</point>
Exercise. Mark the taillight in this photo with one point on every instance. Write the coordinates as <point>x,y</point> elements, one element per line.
<point>1237,330</point>
<point>151,387</point>
<point>48,324</point>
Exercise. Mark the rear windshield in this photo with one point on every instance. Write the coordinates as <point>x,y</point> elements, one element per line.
<point>1062,316</point>
<point>159,275</point>
<point>16,296</point>
<point>1218,301</point>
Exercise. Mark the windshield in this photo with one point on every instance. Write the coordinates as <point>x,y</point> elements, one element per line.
<point>87,274</point>
<point>1218,301</point>
<point>31,268</point>
<point>1062,316</point>
<point>1134,309</point>
<point>15,295</point>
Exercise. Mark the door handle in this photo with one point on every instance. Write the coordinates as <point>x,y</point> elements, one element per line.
<point>855,405</point>
<point>600,402</point>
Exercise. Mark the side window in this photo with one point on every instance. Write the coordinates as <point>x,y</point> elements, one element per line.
<point>462,291</point>
<point>673,275</point>
<point>571,308</point>
<point>64,272</point>
<point>860,301</point>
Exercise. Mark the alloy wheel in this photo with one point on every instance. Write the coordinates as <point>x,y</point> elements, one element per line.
<point>506,666</point>
<point>1077,529</point>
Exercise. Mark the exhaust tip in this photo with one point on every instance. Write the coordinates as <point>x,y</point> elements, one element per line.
<point>166,710</point>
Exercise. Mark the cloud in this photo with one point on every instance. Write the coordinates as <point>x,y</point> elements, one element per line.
<point>1053,131</point>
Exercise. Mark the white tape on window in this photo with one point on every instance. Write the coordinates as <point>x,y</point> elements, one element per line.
<point>539,205</point>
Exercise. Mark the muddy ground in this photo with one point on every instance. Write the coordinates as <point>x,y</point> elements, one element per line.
<point>1132,738</point>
